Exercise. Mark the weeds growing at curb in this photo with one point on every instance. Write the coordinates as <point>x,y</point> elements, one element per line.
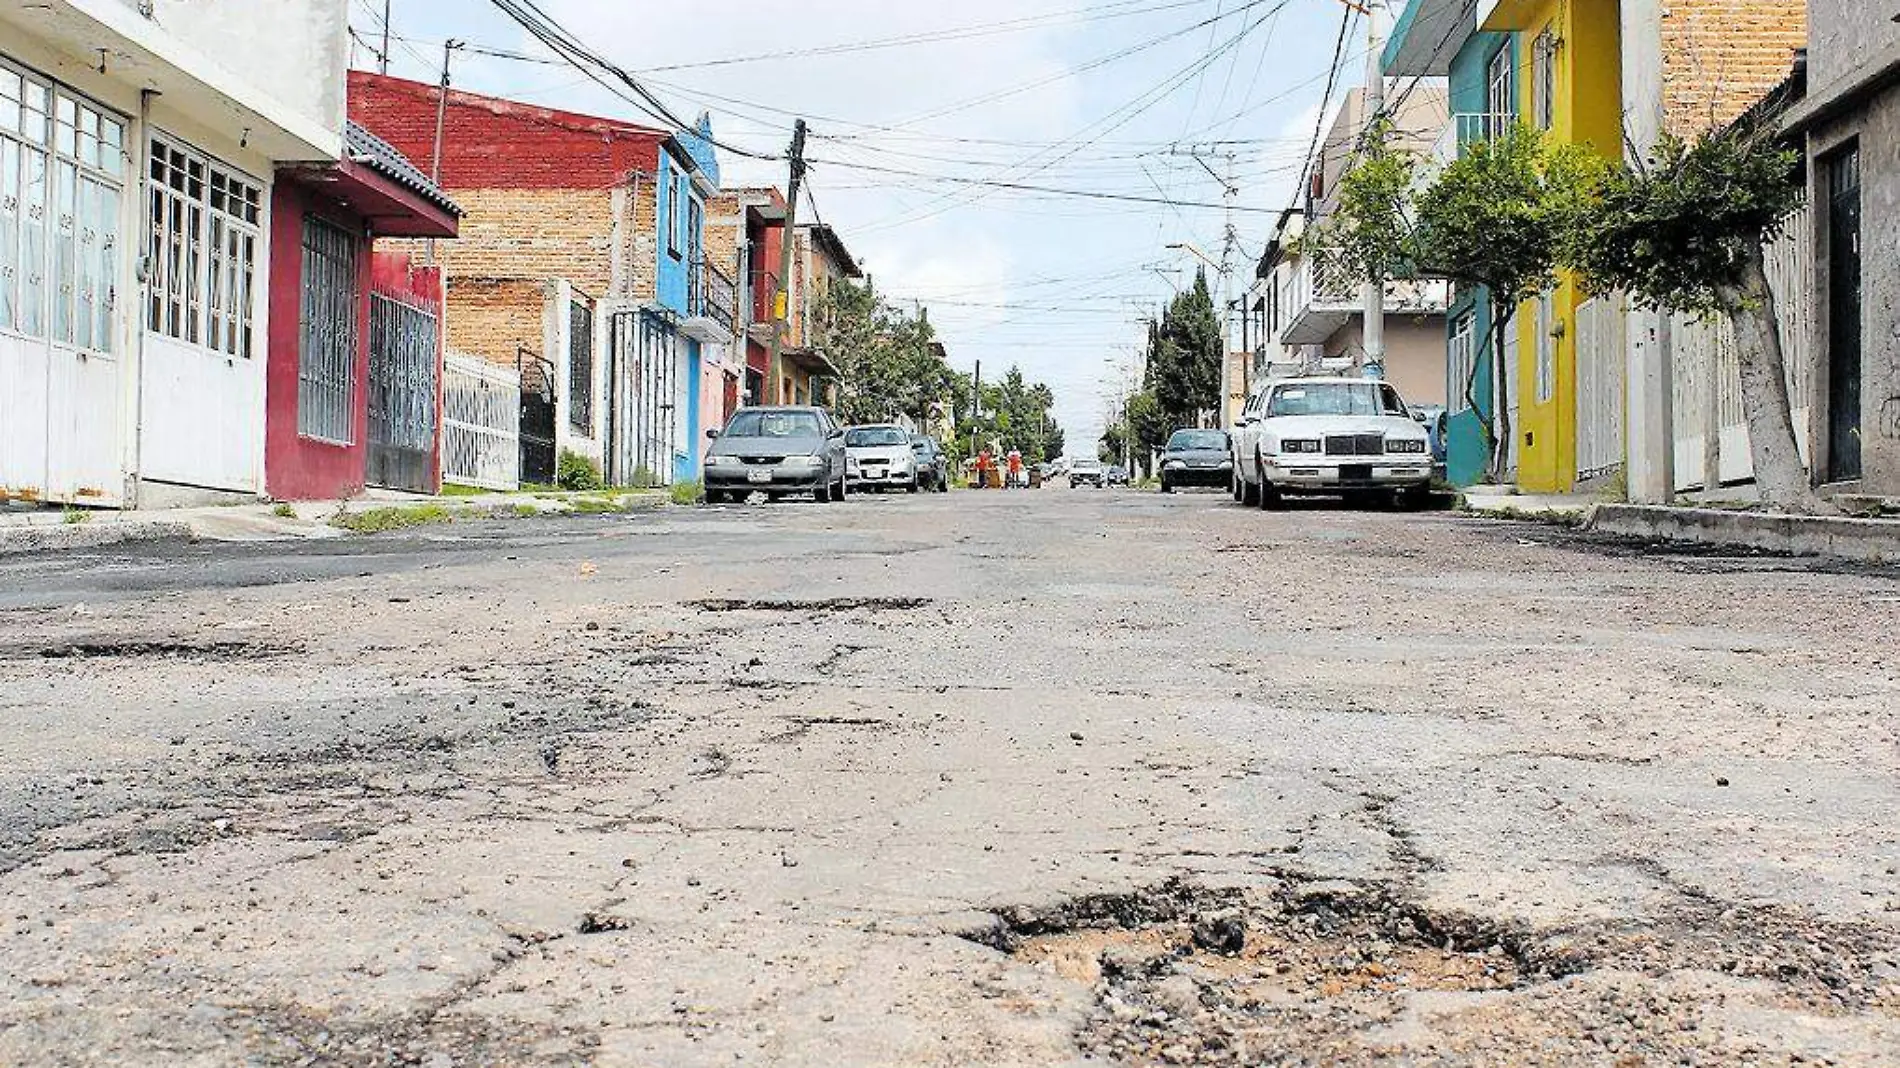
<point>381,520</point>
<point>688,493</point>
<point>76,516</point>
<point>284,511</point>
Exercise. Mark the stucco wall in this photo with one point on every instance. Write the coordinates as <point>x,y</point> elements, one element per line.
<point>1876,128</point>
<point>1414,354</point>
<point>295,50</point>
<point>1844,34</point>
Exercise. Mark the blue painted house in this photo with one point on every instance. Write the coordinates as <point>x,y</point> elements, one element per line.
<point>689,315</point>
<point>1440,39</point>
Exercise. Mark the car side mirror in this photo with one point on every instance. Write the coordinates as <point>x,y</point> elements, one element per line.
<point>835,434</point>
<point>712,434</point>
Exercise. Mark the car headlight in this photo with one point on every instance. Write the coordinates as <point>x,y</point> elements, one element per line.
<point>1300,445</point>
<point>804,461</point>
<point>1225,464</point>
<point>1405,445</point>
<point>1174,463</point>
<point>716,461</point>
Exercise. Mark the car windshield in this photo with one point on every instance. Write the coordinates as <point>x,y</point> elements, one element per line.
<point>1088,465</point>
<point>775,425</point>
<point>1189,440</point>
<point>1336,398</point>
<point>875,435</point>
<point>923,445</point>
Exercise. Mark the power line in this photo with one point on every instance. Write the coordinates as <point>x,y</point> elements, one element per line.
<point>961,33</point>
<point>1325,101</point>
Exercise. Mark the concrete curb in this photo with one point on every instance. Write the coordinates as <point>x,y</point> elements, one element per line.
<point>1874,540</point>
<point>27,539</point>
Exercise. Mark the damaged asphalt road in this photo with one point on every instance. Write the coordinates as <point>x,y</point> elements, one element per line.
<point>999,779</point>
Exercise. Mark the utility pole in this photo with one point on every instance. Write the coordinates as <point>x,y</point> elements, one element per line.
<point>449,48</point>
<point>1373,291</point>
<point>382,64</point>
<point>782,301</point>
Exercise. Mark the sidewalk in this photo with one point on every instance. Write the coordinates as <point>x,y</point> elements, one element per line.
<point>31,530</point>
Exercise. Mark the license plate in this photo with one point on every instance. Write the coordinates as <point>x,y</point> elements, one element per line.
<point>1358,472</point>
<point>758,476</point>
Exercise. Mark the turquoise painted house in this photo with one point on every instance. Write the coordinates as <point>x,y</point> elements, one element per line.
<point>1440,39</point>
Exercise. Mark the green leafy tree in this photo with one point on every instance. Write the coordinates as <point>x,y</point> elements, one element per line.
<point>887,359</point>
<point>1016,414</point>
<point>1503,216</point>
<point>1185,357</point>
<point>1689,231</point>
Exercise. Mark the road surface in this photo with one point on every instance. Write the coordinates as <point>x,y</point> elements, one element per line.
<point>1039,778</point>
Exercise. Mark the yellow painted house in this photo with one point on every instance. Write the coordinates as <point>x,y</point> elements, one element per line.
<point>1568,82</point>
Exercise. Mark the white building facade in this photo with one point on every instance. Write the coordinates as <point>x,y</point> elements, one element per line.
<point>138,145</point>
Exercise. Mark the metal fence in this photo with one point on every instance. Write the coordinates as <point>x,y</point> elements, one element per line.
<point>1711,427</point>
<point>403,341</point>
<point>481,423</point>
<point>1601,330</point>
<point>714,295</point>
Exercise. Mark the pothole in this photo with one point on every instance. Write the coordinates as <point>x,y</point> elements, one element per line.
<point>823,605</point>
<point>1184,974</point>
<point>140,648</point>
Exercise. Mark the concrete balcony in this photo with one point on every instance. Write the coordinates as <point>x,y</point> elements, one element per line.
<point>1325,297</point>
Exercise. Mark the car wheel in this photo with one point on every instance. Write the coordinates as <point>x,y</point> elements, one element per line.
<point>914,485</point>
<point>1415,499</point>
<point>714,496</point>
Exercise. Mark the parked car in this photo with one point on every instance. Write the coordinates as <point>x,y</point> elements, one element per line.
<point>1197,458</point>
<point>1352,437</point>
<point>879,457</point>
<point>933,464</point>
<point>1086,473</point>
<point>1437,423</point>
<point>1116,475</point>
<point>778,451</point>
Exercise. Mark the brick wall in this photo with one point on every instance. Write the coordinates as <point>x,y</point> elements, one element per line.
<point>494,317</point>
<point>1722,56</point>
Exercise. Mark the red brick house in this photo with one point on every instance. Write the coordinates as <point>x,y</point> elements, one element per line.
<point>582,264</point>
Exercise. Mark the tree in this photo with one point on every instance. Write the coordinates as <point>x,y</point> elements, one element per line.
<point>1185,356</point>
<point>887,358</point>
<point>1503,215</point>
<point>1016,414</point>
<point>1689,231</point>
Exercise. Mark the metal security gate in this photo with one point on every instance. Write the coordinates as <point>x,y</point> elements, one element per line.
<point>1600,347</point>
<point>403,414</point>
<point>643,399</point>
<point>481,423</point>
<point>536,426</point>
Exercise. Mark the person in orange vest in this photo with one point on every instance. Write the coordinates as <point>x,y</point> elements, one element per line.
<point>983,466</point>
<point>1015,469</point>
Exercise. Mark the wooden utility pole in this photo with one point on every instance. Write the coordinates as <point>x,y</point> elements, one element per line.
<point>382,61</point>
<point>782,300</point>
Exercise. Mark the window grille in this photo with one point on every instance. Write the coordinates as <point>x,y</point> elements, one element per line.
<point>1544,79</point>
<point>326,357</point>
<point>1463,363</point>
<point>62,169</point>
<point>204,221</point>
<point>580,368</point>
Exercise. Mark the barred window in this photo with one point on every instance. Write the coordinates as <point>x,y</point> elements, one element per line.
<point>204,221</point>
<point>1462,364</point>
<point>1544,79</point>
<point>326,356</point>
<point>580,368</point>
<point>1546,349</point>
<point>62,169</point>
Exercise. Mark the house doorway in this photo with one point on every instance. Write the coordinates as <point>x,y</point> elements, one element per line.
<point>1844,320</point>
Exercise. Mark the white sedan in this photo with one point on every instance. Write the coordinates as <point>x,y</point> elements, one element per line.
<point>1349,437</point>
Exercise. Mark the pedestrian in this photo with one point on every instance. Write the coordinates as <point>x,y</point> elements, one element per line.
<point>1015,469</point>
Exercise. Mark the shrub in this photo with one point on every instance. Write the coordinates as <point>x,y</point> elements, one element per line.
<point>688,493</point>
<point>576,472</point>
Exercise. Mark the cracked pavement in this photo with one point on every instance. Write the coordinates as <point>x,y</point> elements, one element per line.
<point>754,785</point>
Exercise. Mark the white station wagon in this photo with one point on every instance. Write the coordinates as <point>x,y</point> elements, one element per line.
<point>1351,437</point>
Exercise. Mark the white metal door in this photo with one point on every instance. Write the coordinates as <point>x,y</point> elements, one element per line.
<point>202,382</point>
<point>62,168</point>
<point>1600,354</point>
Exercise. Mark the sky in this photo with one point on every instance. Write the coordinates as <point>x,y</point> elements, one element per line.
<point>912,104</point>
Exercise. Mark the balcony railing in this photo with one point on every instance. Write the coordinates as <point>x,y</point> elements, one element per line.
<point>1324,295</point>
<point>1467,127</point>
<point>713,294</point>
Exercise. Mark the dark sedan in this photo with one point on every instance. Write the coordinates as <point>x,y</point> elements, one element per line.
<point>933,466</point>
<point>1197,458</point>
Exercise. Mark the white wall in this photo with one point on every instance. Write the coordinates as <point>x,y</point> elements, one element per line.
<point>295,50</point>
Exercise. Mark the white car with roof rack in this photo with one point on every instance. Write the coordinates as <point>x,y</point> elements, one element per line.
<point>1350,437</point>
